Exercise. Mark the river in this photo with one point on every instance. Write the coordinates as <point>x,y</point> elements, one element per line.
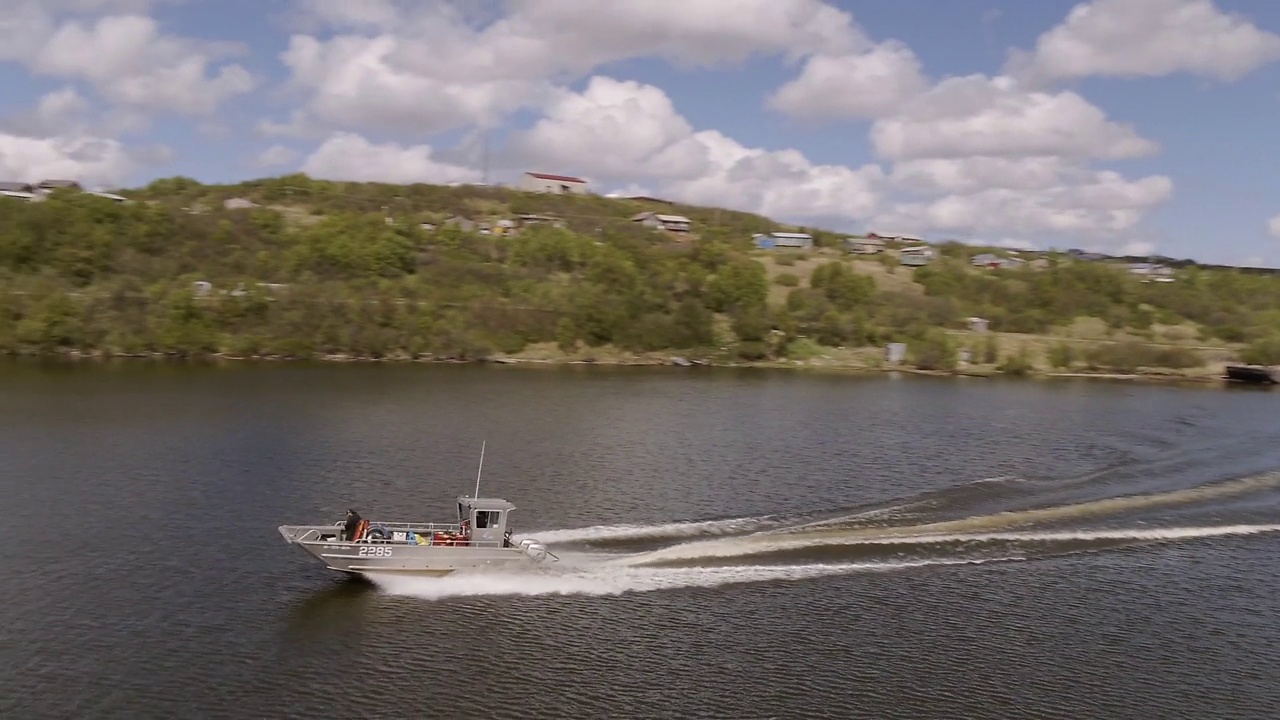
<point>792,545</point>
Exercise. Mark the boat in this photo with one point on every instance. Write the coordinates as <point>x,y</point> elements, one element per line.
<point>480,539</point>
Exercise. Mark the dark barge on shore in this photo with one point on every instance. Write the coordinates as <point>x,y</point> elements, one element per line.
<point>1252,375</point>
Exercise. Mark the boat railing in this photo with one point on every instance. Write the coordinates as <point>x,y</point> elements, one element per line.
<point>453,530</point>
<point>457,542</point>
<point>416,527</point>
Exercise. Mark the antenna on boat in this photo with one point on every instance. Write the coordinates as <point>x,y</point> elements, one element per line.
<point>480,469</point>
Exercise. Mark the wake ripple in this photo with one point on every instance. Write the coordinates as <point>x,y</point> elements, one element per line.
<point>605,581</point>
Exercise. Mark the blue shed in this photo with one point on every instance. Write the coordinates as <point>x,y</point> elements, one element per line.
<point>769,241</point>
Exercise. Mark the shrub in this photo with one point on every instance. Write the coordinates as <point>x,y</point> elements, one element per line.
<point>1062,355</point>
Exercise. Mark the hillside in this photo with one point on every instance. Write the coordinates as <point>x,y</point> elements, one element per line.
<point>309,268</point>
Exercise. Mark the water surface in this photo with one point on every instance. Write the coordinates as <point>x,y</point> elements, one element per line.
<point>734,544</point>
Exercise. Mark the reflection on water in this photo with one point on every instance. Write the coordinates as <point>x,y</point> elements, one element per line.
<point>336,612</point>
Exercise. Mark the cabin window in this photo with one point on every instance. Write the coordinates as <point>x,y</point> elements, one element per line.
<point>488,518</point>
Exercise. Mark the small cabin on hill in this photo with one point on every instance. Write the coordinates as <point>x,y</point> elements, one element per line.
<point>1150,271</point>
<point>109,196</point>
<point>899,239</point>
<point>529,219</point>
<point>992,261</point>
<point>50,185</point>
<point>783,240</point>
<point>659,221</point>
<point>870,245</point>
<point>916,255</point>
<point>557,184</point>
<point>648,199</point>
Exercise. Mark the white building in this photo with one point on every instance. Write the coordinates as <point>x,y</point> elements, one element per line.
<point>658,221</point>
<point>559,184</point>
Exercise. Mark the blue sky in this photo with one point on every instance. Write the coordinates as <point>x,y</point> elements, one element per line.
<point>1123,125</point>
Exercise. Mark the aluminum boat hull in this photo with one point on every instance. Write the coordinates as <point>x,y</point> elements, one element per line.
<point>480,540</point>
<point>391,557</point>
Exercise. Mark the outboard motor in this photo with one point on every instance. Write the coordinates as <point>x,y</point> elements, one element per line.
<point>534,549</point>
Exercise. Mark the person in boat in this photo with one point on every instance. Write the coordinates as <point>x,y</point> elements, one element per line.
<point>350,526</point>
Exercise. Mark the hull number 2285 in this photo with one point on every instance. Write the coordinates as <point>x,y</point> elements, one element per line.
<point>375,551</point>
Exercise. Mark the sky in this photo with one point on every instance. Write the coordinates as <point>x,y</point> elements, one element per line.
<point>1123,126</point>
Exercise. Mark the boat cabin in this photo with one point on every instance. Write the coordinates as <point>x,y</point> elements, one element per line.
<point>486,518</point>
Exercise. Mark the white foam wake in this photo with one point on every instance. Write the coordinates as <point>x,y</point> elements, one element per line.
<point>894,512</point>
<point>758,545</point>
<point>710,528</point>
<point>604,581</point>
<point>730,526</point>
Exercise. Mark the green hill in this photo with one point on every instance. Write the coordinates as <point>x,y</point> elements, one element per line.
<point>311,268</point>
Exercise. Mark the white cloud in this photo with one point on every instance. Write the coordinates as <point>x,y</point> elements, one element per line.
<point>346,156</point>
<point>541,38</point>
<point>855,85</point>
<point>1026,197</point>
<point>977,115</point>
<point>579,35</point>
<point>429,67</point>
<point>615,129</point>
<point>988,159</point>
<point>367,14</point>
<point>60,112</point>
<point>23,29</point>
<point>125,58</point>
<point>357,82</point>
<point>90,160</point>
<point>131,63</point>
<point>1147,38</point>
<point>1273,226</point>
<point>275,156</point>
<point>627,132</point>
<point>101,6</point>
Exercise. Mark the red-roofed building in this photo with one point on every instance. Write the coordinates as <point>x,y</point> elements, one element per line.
<point>542,182</point>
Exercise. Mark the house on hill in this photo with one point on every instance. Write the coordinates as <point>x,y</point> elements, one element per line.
<point>647,199</point>
<point>893,238</point>
<point>558,184</point>
<point>789,240</point>
<point>1150,271</point>
<point>1086,256</point>
<point>995,262</point>
<point>528,219</point>
<point>17,190</point>
<point>870,245</point>
<point>658,221</point>
<point>916,255</point>
<point>50,185</point>
<point>113,197</point>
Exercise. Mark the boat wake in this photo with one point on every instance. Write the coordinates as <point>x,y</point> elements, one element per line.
<point>970,546</point>
<point>917,532</point>
<point>606,580</point>
<point>625,534</point>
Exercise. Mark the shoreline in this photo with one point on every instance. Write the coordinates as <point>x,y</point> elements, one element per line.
<point>1150,375</point>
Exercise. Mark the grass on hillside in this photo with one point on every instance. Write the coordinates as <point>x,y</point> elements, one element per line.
<point>363,278</point>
